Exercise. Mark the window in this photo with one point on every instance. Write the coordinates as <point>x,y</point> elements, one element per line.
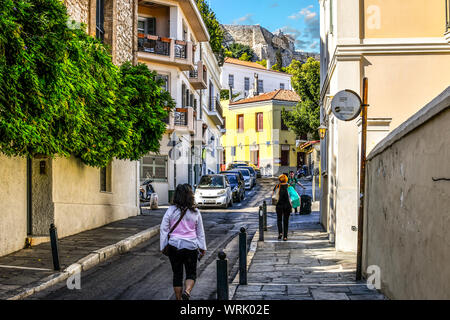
<point>285,155</point>
<point>254,157</point>
<point>100,20</point>
<point>183,95</point>
<point>282,86</point>
<point>233,151</point>
<point>165,79</point>
<point>331,17</point>
<point>283,125</point>
<point>259,122</point>
<point>246,84</point>
<point>240,123</point>
<point>260,86</point>
<point>105,178</point>
<point>154,167</point>
<point>212,105</point>
<point>146,25</point>
<point>231,81</point>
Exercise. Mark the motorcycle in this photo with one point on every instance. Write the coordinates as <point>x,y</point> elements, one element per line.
<point>147,193</point>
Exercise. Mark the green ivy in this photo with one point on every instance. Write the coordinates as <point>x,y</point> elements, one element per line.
<point>214,29</point>
<point>60,93</point>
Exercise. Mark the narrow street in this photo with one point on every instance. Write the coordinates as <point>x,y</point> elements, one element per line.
<point>144,273</point>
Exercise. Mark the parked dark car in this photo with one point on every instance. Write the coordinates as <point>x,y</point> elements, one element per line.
<point>246,174</point>
<point>237,184</point>
<point>252,172</point>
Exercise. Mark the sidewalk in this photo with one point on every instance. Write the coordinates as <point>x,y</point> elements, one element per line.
<point>306,267</point>
<point>23,271</point>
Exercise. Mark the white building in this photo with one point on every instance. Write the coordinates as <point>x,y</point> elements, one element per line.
<point>245,78</point>
<point>404,63</point>
<point>173,41</point>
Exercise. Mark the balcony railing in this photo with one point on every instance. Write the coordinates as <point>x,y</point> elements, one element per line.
<point>198,76</point>
<point>214,105</point>
<point>180,118</point>
<point>153,44</point>
<point>180,50</point>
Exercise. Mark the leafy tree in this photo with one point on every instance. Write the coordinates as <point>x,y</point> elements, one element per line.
<point>245,57</point>
<point>237,50</point>
<point>214,29</point>
<point>305,118</point>
<point>278,66</point>
<point>60,93</point>
<point>263,62</point>
<point>225,94</point>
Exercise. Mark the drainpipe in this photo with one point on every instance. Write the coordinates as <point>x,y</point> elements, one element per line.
<point>29,198</point>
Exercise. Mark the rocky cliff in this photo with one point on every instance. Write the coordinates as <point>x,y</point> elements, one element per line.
<point>265,44</point>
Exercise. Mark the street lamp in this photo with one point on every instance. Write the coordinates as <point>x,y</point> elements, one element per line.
<point>322,131</point>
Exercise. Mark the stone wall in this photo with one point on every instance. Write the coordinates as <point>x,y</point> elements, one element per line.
<point>264,43</point>
<point>119,23</point>
<point>125,31</point>
<point>407,206</point>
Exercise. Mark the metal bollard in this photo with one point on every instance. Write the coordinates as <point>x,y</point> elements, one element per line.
<point>261,224</point>
<point>54,244</point>
<point>265,214</point>
<point>222,277</point>
<point>243,257</point>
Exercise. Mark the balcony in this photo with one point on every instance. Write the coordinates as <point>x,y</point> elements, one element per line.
<point>215,111</point>
<point>164,50</point>
<point>182,119</point>
<point>198,77</point>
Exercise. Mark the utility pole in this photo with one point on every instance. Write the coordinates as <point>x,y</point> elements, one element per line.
<point>362,176</point>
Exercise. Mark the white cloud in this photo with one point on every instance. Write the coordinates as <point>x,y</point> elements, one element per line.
<point>306,13</point>
<point>247,19</point>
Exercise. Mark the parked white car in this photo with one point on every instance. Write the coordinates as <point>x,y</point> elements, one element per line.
<point>214,190</point>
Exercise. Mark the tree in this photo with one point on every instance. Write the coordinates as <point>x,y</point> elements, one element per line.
<point>305,118</point>
<point>263,62</point>
<point>61,95</point>
<point>214,29</point>
<point>225,94</point>
<point>237,51</point>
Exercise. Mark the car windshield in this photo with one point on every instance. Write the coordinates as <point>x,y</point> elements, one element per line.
<point>246,173</point>
<point>250,169</point>
<point>211,182</point>
<point>232,179</point>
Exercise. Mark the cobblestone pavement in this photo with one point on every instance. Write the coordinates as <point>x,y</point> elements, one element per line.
<point>306,267</point>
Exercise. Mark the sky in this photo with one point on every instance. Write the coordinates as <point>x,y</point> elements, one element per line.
<point>299,18</point>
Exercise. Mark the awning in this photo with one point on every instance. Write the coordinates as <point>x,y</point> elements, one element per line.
<point>308,144</point>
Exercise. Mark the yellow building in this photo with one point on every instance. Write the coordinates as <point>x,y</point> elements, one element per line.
<point>255,132</point>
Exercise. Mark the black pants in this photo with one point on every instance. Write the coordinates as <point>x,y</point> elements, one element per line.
<point>283,220</point>
<point>180,258</point>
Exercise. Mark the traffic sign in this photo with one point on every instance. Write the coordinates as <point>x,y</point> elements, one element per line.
<point>346,105</point>
<point>174,140</point>
<point>175,154</point>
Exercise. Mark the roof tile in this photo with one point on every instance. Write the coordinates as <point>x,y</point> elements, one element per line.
<point>281,95</point>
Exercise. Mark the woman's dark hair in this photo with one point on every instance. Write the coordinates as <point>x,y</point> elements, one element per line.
<point>184,198</point>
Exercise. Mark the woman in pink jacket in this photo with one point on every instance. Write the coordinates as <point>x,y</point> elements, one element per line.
<point>182,229</point>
